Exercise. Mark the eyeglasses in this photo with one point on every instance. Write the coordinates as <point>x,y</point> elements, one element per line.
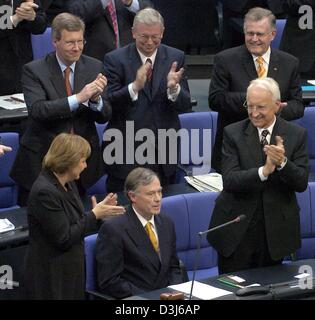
<point>254,108</point>
<point>146,38</point>
<point>72,44</point>
<point>259,35</point>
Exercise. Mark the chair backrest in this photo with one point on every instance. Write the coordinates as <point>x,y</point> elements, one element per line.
<point>100,128</point>
<point>308,122</point>
<point>306,201</point>
<point>100,186</point>
<point>280,24</point>
<point>191,214</point>
<point>42,44</point>
<point>90,264</point>
<point>196,139</point>
<point>8,188</point>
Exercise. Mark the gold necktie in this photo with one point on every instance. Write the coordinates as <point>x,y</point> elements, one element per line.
<point>261,69</point>
<point>151,234</point>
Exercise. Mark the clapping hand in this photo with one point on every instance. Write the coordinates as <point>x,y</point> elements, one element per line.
<point>107,207</point>
<point>174,77</point>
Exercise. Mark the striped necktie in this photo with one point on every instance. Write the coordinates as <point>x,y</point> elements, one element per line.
<point>263,139</point>
<point>260,69</point>
<point>113,16</point>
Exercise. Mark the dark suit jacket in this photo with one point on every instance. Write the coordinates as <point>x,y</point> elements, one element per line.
<point>99,31</point>
<point>243,190</point>
<point>49,114</point>
<point>299,42</point>
<point>54,265</point>
<point>233,70</point>
<point>127,263</point>
<point>152,110</point>
<point>16,49</point>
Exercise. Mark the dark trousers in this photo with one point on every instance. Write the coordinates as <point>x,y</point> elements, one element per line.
<point>252,252</point>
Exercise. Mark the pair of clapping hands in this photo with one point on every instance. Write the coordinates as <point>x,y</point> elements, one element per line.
<point>275,156</point>
<point>107,207</point>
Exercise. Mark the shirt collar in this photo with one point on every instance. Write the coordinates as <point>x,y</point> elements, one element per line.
<point>270,129</point>
<point>144,58</point>
<point>143,220</point>
<point>265,56</point>
<point>63,66</point>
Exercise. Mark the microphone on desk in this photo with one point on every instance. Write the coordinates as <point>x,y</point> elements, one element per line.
<point>202,233</point>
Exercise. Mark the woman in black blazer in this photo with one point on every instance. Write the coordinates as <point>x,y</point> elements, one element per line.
<point>54,266</point>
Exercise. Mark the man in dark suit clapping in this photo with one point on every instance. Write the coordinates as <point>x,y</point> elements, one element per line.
<point>63,93</point>
<point>264,162</point>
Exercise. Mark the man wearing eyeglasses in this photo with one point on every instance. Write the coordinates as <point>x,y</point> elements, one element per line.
<point>234,68</point>
<point>264,162</point>
<point>146,88</point>
<point>64,92</point>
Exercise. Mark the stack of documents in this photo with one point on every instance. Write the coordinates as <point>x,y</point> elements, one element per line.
<point>6,225</point>
<point>13,101</point>
<point>201,290</point>
<point>206,182</point>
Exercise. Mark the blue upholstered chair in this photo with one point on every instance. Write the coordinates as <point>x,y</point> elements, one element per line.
<point>100,186</point>
<point>191,214</point>
<point>8,188</point>
<point>280,24</point>
<point>308,122</point>
<point>196,144</point>
<point>91,287</point>
<point>42,44</point>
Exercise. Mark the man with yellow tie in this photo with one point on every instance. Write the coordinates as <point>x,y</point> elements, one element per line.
<point>136,252</point>
<point>234,69</point>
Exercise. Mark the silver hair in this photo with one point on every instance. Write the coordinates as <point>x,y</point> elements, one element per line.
<point>148,16</point>
<point>139,177</point>
<point>257,14</point>
<point>267,84</point>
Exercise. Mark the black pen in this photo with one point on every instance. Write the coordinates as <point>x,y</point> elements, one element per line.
<point>17,99</point>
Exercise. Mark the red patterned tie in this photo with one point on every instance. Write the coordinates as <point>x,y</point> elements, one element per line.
<point>149,72</point>
<point>113,16</point>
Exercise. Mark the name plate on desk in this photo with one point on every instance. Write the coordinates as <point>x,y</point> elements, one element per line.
<point>12,102</point>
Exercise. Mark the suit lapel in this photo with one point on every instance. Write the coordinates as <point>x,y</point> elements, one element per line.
<point>79,76</point>
<point>278,130</point>
<point>273,69</point>
<point>56,76</point>
<point>253,144</point>
<point>135,64</point>
<point>248,63</point>
<point>139,236</point>
<point>159,70</point>
<point>163,240</point>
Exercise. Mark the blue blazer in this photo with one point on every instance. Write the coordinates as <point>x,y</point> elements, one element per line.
<point>127,263</point>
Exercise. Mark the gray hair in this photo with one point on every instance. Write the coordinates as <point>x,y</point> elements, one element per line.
<point>139,177</point>
<point>148,16</point>
<point>267,84</point>
<point>257,14</point>
<point>66,21</point>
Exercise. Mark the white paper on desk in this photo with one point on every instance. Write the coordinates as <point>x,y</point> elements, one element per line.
<point>311,82</point>
<point>201,290</point>
<point>8,102</point>
<point>6,225</point>
<point>206,182</point>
